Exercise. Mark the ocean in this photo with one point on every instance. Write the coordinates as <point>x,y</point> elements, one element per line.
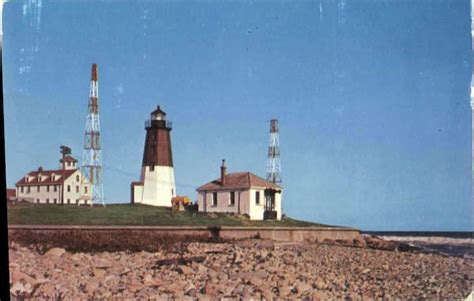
<point>445,243</point>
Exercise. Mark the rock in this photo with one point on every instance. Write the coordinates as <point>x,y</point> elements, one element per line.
<point>238,290</point>
<point>286,291</point>
<point>148,280</point>
<point>125,271</point>
<point>238,258</point>
<point>135,287</point>
<point>212,274</point>
<point>201,268</point>
<point>248,275</point>
<point>256,281</point>
<point>17,276</point>
<point>266,293</point>
<point>91,286</point>
<point>55,252</point>
<point>321,284</point>
<point>184,269</point>
<point>303,287</point>
<point>318,295</point>
<point>265,244</point>
<point>20,289</point>
<point>99,273</point>
<point>190,289</point>
<point>303,270</point>
<point>223,277</point>
<point>210,289</point>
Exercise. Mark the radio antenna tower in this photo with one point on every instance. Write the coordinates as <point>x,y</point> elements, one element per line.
<point>92,156</point>
<point>273,164</point>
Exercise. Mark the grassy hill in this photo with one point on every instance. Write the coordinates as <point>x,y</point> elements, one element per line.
<point>127,214</point>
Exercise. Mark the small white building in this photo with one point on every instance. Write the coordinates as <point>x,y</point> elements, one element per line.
<point>241,193</point>
<point>60,186</point>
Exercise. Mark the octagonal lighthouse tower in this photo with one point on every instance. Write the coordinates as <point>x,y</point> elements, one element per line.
<point>156,186</point>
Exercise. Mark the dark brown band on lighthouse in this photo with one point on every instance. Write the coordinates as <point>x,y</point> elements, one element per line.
<point>158,145</point>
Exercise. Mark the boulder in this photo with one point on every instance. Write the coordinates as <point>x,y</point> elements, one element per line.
<point>184,269</point>
<point>17,276</point>
<point>18,289</point>
<point>303,287</point>
<point>190,289</point>
<point>55,252</point>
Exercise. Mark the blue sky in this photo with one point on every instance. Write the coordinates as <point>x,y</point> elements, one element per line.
<point>372,98</point>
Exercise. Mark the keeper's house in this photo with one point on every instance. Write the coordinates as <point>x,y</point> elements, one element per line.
<point>60,186</point>
<point>241,193</point>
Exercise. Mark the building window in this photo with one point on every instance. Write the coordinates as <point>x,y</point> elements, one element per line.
<point>214,199</point>
<point>55,188</point>
<point>85,202</point>
<point>68,188</point>
<point>47,201</point>
<point>38,188</point>
<point>21,189</point>
<point>68,163</point>
<point>152,167</point>
<point>68,201</point>
<point>55,200</point>
<point>85,189</point>
<point>77,202</point>
<point>77,178</point>
<point>37,201</point>
<point>77,188</point>
<point>257,197</point>
<point>47,188</point>
<point>28,189</point>
<point>232,198</point>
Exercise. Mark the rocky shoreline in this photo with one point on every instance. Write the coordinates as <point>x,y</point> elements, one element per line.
<point>240,269</point>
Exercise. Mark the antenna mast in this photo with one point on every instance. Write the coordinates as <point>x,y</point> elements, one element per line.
<point>273,163</point>
<point>92,156</point>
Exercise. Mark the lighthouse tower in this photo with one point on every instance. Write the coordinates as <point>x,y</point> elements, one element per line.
<point>156,186</point>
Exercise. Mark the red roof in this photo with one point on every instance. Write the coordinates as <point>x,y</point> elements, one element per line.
<point>68,159</point>
<point>47,178</point>
<point>11,192</point>
<point>238,180</point>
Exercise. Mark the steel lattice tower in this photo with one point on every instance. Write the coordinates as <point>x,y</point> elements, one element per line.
<point>92,157</point>
<point>273,164</point>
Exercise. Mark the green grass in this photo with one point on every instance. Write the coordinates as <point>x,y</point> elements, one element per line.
<point>127,214</point>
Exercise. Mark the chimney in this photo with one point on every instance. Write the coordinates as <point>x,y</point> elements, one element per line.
<point>223,172</point>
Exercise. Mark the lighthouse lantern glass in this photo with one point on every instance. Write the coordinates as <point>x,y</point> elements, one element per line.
<point>158,116</point>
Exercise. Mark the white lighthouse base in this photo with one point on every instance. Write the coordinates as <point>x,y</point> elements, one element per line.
<point>158,186</point>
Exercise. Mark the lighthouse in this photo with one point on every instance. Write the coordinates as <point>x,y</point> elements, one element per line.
<point>156,186</point>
